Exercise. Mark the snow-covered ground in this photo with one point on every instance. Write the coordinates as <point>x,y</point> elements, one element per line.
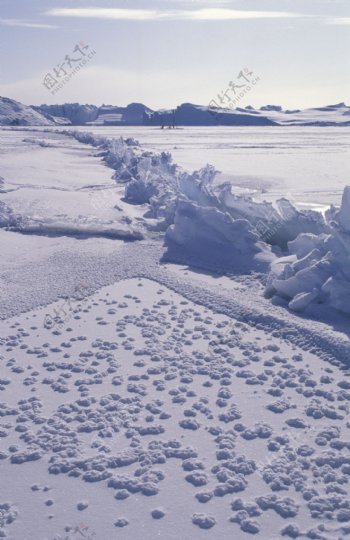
<point>64,189</point>
<point>145,396</point>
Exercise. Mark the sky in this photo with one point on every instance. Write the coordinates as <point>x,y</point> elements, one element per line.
<point>166,52</point>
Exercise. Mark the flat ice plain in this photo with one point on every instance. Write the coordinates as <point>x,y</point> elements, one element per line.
<point>142,399</point>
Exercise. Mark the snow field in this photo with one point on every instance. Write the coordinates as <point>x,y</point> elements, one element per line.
<point>164,418</point>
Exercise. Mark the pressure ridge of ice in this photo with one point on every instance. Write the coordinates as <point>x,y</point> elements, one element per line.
<point>207,225</point>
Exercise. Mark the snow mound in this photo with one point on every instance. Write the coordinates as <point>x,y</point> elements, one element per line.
<point>207,226</point>
<point>155,180</point>
<point>208,210</point>
<point>318,269</point>
<point>152,179</point>
<point>206,236</point>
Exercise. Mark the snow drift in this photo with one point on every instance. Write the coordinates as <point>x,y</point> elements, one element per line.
<point>318,269</point>
<point>199,228</point>
<point>208,211</point>
<point>276,224</point>
<point>206,236</point>
<point>207,226</point>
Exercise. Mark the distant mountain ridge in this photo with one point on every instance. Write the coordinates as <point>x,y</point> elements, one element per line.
<point>268,115</point>
<point>76,114</point>
<point>186,114</point>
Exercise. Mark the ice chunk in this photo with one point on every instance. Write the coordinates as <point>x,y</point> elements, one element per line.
<point>320,270</point>
<point>277,224</point>
<point>206,236</point>
<point>344,213</point>
<point>302,300</point>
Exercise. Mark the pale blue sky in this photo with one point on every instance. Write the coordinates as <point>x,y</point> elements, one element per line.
<point>166,52</point>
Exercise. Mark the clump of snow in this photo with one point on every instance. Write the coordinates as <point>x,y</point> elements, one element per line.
<point>8,218</point>
<point>203,521</point>
<point>318,270</point>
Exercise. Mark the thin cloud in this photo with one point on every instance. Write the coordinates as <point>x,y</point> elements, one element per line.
<point>106,13</point>
<point>339,20</point>
<point>221,14</point>
<point>25,24</point>
<point>205,14</point>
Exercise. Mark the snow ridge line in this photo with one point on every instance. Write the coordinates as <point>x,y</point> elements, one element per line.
<point>54,277</point>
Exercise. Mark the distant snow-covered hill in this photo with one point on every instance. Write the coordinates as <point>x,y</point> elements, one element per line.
<point>269,115</point>
<point>186,114</point>
<point>16,114</point>
<point>338,114</point>
<point>69,113</point>
<point>76,114</point>
<point>131,115</point>
<point>189,114</point>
